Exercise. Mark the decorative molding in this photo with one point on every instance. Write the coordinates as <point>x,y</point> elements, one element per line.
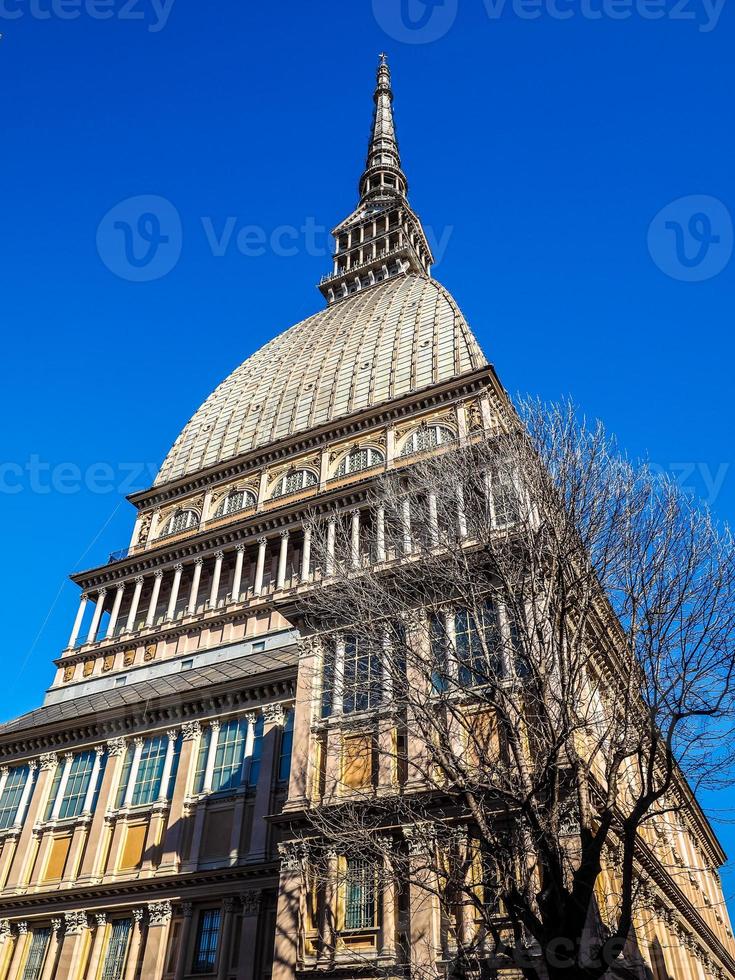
<point>100,919</point>
<point>75,923</point>
<point>187,909</point>
<point>251,901</point>
<point>290,855</point>
<point>5,931</point>
<point>190,730</point>
<point>56,924</point>
<point>273,714</point>
<point>116,746</point>
<point>49,760</point>
<point>138,915</point>
<point>159,913</point>
<point>22,928</point>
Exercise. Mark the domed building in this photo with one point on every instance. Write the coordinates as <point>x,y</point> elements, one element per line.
<point>139,828</point>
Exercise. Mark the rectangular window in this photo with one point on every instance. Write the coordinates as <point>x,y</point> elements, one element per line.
<point>505,504</point>
<point>284,757</point>
<point>152,760</point>
<point>360,895</point>
<point>254,771</point>
<point>228,758</point>
<point>117,950</point>
<point>362,675</point>
<point>77,785</point>
<point>439,645</point>
<point>11,795</point>
<point>205,951</point>
<point>477,646</point>
<point>36,954</point>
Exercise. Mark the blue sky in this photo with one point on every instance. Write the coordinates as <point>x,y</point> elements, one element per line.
<point>574,158</point>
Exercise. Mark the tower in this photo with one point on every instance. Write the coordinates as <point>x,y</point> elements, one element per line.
<point>143,805</point>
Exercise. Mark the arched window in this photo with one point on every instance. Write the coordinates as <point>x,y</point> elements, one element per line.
<point>235,501</point>
<point>427,437</point>
<point>181,520</point>
<point>293,481</point>
<point>360,458</point>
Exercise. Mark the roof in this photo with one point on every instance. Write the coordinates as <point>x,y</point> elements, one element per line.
<point>180,683</point>
<point>378,344</point>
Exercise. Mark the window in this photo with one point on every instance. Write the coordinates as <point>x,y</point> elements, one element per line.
<point>117,950</point>
<point>439,658</point>
<point>477,645</point>
<point>235,501</point>
<point>147,787</point>
<point>182,520</point>
<point>360,895</point>
<point>293,481</point>
<point>77,784</point>
<point>284,758</point>
<point>254,771</point>
<point>360,458</point>
<point>427,437</point>
<point>205,951</point>
<point>362,675</point>
<point>504,498</point>
<point>36,954</point>
<point>11,795</point>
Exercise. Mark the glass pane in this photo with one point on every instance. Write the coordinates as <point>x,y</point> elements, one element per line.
<point>205,953</point>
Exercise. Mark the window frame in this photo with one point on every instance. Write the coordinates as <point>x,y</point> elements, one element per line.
<point>281,487</point>
<point>199,965</point>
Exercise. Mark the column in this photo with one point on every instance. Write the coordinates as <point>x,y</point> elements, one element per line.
<point>355,538</point>
<point>273,718</point>
<point>151,617</point>
<point>68,759</point>
<point>239,809</point>
<point>99,751</point>
<point>159,921</point>
<point>251,902</point>
<point>282,559</point>
<point>461,514</point>
<point>433,521</point>
<point>134,947</point>
<point>390,907</point>
<point>72,946</point>
<point>338,679</point>
<point>237,579</point>
<point>217,575</point>
<point>173,734</point>
<point>306,554</point>
<point>171,852</point>
<point>187,911</point>
<point>174,597</point>
<point>6,942</point>
<point>194,592</point>
<point>95,849</point>
<point>331,533</point>
<point>380,534</point>
<point>26,794</point>
<point>423,936</point>
<point>133,612</point>
<point>97,616</point>
<point>83,600</point>
<point>260,565</point>
<point>214,728</point>
<point>49,966</point>
<point>406,524</point>
<point>32,803</point>
<point>225,942</point>
<point>4,772</point>
<point>287,914</point>
<point>18,951</point>
<point>134,767</point>
<point>119,592</point>
<point>100,928</point>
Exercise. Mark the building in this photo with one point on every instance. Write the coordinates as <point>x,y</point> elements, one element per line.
<point>134,804</point>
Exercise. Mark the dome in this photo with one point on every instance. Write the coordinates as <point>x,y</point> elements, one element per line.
<point>378,344</point>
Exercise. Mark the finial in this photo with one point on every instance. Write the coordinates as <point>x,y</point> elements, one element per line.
<point>383,58</point>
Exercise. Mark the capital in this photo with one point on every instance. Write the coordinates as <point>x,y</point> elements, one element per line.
<point>75,923</point>
<point>285,532</point>
<point>49,760</point>
<point>158,574</point>
<point>230,904</point>
<point>262,540</point>
<point>4,929</point>
<point>187,909</point>
<point>116,746</point>
<point>172,734</point>
<point>219,555</point>
<point>159,913</point>
<point>190,730</point>
<point>138,915</point>
<point>240,549</point>
<point>139,579</point>
<point>100,919</point>
<point>101,594</point>
<point>56,925</point>
<point>22,928</point>
<point>199,562</point>
<point>178,567</point>
<point>273,714</point>
<point>251,901</point>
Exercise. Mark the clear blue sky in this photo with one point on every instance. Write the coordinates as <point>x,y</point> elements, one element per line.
<point>543,138</point>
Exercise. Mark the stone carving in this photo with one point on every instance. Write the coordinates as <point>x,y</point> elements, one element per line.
<point>128,658</point>
<point>290,855</point>
<point>230,904</point>
<point>187,909</point>
<point>190,730</point>
<point>4,929</point>
<point>49,760</point>
<point>108,663</point>
<point>22,928</point>
<point>145,526</point>
<point>88,668</point>
<point>75,923</point>
<point>273,714</point>
<point>69,671</point>
<point>159,913</point>
<point>56,925</point>
<point>150,652</point>
<point>100,919</point>
<point>251,901</point>
<point>138,915</point>
<point>116,746</point>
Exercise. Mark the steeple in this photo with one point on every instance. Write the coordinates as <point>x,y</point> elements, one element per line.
<point>383,237</point>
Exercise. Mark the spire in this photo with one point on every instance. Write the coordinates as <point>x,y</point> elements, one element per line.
<point>383,158</point>
<point>383,237</point>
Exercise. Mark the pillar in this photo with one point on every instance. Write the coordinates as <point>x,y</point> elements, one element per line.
<point>83,600</point>
<point>133,611</point>
<point>216,577</point>
<point>406,524</point>
<point>134,767</point>
<point>136,937</point>
<point>307,687</point>
<point>461,514</point>
<point>287,914</point>
<point>91,870</point>
<point>114,615</point>
<point>273,721</point>
<point>99,751</point>
<point>214,727</point>
<point>187,911</point>
<point>251,903</point>
<point>72,946</point>
<point>96,616</point>
<point>380,534</point>
<point>171,856</point>
<point>49,966</point>
<point>423,935</point>
<point>95,957</point>
<point>389,904</point>
<point>331,534</point>
<point>194,591</point>
<point>28,814</point>
<point>19,950</point>
<point>237,579</point>
<point>306,554</point>
<point>159,922</point>
<point>238,814</point>
<point>355,538</point>
<point>282,559</point>
<point>68,759</point>
<point>225,941</point>
<point>175,586</point>
<point>157,579</point>
<point>260,565</point>
<point>433,521</point>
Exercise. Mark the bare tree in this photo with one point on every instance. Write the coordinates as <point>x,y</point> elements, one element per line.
<point>528,646</point>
